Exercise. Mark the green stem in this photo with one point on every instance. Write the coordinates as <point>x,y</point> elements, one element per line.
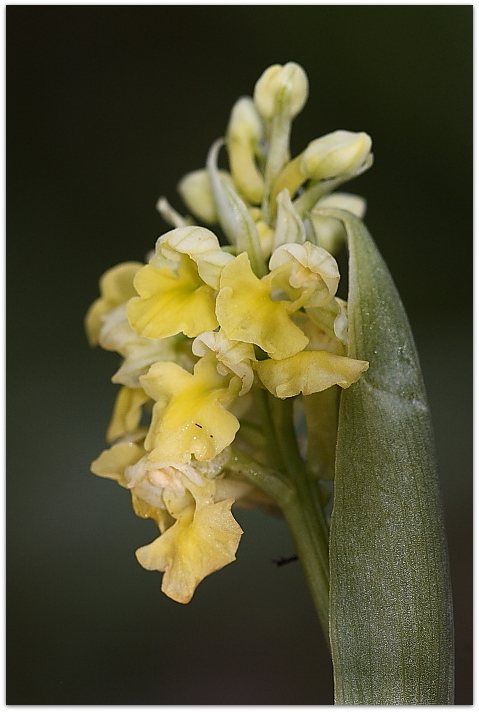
<point>304,513</point>
<point>298,496</point>
<point>270,481</point>
<point>272,443</point>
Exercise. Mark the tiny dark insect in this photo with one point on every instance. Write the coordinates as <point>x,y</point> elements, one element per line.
<point>198,425</point>
<point>285,560</point>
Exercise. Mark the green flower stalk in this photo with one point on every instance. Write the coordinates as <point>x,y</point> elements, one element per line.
<point>245,381</point>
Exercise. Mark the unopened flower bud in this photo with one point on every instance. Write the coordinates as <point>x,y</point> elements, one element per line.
<point>329,232</point>
<point>335,154</point>
<point>281,84</point>
<point>195,190</point>
<point>245,124</point>
<point>245,131</point>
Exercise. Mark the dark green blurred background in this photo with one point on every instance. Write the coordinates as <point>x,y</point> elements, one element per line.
<point>107,108</point>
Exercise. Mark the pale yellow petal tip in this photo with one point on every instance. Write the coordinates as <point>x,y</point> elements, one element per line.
<point>112,463</point>
<point>309,372</point>
<point>126,412</point>
<point>200,542</point>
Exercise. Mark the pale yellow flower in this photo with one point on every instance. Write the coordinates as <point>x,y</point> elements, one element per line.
<point>234,357</point>
<point>247,312</point>
<point>171,302</point>
<point>199,534</point>
<point>189,415</point>
<point>309,270</point>
<point>281,88</point>
<point>337,153</point>
<point>201,541</point>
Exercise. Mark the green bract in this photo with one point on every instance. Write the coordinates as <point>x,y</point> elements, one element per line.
<point>391,612</point>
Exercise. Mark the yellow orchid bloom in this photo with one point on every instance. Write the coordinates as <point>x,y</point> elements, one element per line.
<point>305,270</point>
<point>309,372</point>
<point>201,541</point>
<point>189,417</point>
<point>247,311</point>
<point>171,302</point>
<point>234,357</point>
<point>204,331</point>
<point>116,287</point>
<point>198,243</point>
<point>199,533</point>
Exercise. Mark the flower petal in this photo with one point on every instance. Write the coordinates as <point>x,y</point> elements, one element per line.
<point>200,542</point>
<point>188,416</point>
<point>169,304</point>
<point>247,312</point>
<point>308,268</point>
<point>116,286</point>
<point>309,372</point>
<point>113,462</point>
<point>126,412</point>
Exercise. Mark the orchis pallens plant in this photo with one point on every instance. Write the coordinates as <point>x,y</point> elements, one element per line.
<point>246,381</point>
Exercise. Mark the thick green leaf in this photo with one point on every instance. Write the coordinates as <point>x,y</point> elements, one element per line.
<point>390,611</point>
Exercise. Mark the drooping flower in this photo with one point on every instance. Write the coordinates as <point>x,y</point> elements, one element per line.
<point>202,540</point>
<point>198,533</point>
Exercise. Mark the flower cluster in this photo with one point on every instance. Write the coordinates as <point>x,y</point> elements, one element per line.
<point>204,329</point>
